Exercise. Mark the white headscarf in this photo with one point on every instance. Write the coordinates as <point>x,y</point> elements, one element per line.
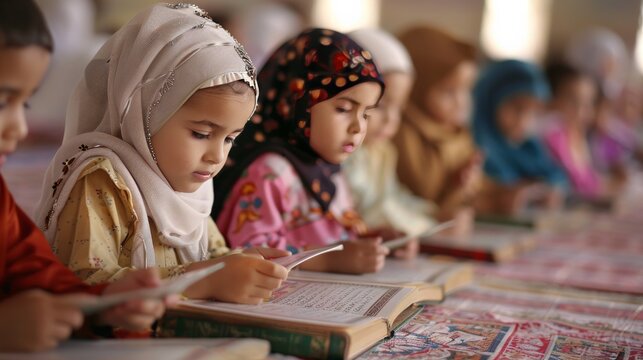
<point>388,52</point>
<point>143,74</point>
<point>592,50</point>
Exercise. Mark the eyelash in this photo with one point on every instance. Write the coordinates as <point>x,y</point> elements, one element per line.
<point>25,105</point>
<point>200,136</point>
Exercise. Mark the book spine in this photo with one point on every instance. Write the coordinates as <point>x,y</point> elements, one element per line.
<point>459,253</point>
<point>289,342</point>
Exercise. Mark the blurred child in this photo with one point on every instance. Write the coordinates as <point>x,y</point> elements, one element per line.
<point>371,170</point>
<point>519,172</point>
<point>282,186</point>
<point>36,314</point>
<point>437,157</point>
<point>148,127</point>
<point>573,108</point>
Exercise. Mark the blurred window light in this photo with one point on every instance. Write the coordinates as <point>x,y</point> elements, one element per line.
<point>638,49</point>
<point>515,29</point>
<point>346,15</point>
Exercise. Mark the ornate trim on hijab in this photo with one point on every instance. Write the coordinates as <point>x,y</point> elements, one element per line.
<point>313,67</point>
<point>143,74</point>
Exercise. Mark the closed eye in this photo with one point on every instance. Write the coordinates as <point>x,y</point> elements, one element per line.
<point>199,135</point>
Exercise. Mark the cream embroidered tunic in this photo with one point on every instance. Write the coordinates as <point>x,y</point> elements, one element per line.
<point>94,232</point>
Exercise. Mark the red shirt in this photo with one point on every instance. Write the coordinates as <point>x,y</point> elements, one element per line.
<point>26,260</point>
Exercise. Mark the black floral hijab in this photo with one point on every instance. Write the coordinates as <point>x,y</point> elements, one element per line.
<point>315,66</point>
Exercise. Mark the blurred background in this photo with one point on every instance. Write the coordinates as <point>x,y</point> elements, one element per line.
<point>535,30</point>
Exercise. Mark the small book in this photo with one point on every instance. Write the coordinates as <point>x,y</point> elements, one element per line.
<point>311,318</point>
<point>492,243</point>
<point>166,349</point>
<point>167,287</point>
<point>422,271</point>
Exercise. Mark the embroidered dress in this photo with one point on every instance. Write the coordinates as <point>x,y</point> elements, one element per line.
<point>311,68</point>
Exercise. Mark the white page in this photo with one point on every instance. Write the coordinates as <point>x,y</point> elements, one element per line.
<point>320,302</point>
<point>289,262</point>
<point>167,287</point>
<point>395,271</point>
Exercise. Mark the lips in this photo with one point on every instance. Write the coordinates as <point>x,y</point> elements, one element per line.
<point>349,147</point>
<point>202,175</point>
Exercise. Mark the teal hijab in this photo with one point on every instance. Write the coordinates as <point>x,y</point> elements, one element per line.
<point>508,162</point>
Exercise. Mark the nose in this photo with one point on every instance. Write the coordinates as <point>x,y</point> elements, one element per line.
<point>358,124</point>
<point>15,128</point>
<point>216,152</point>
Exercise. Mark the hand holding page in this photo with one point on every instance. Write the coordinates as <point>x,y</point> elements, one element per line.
<point>399,242</point>
<point>168,287</point>
<point>289,262</point>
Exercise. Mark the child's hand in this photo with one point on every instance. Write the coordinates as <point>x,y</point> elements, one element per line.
<point>267,252</point>
<point>245,279</point>
<point>408,251</point>
<point>136,314</point>
<point>365,255</point>
<point>36,320</point>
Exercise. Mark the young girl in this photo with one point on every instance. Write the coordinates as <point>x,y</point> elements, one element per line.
<point>437,158</point>
<point>149,126</point>
<point>35,314</point>
<point>573,107</point>
<point>371,171</point>
<point>282,186</point>
<point>519,172</point>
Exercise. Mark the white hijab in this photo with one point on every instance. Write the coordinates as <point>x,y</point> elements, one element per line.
<point>143,74</point>
<point>388,52</point>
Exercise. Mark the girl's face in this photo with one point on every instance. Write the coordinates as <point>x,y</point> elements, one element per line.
<point>516,117</point>
<point>21,70</point>
<point>338,125</point>
<point>193,145</point>
<point>449,101</point>
<point>385,119</point>
<point>576,101</point>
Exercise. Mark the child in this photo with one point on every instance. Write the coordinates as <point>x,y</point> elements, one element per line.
<point>573,107</point>
<point>519,172</point>
<point>437,157</point>
<point>379,197</point>
<point>148,127</point>
<point>35,313</point>
<point>282,186</point>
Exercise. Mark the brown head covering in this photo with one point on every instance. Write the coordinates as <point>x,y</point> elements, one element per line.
<point>434,54</point>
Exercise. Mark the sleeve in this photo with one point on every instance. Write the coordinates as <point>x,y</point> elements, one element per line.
<point>216,242</point>
<point>93,227</point>
<point>253,214</point>
<point>26,258</point>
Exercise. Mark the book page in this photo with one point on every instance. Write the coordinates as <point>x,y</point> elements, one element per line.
<point>289,262</point>
<point>395,271</point>
<point>320,302</point>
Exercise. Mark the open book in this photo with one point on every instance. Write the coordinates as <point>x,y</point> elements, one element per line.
<point>439,276</point>
<point>494,243</point>
<point>307,318</point>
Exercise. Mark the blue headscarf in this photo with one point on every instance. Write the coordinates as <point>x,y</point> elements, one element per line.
<point>508,162</point>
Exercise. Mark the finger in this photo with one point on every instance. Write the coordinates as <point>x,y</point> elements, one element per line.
<point>258,292</point>
<point>271,269</point>
<point>69,315</point>
<point>60,331</point>
<point>268,283</point>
